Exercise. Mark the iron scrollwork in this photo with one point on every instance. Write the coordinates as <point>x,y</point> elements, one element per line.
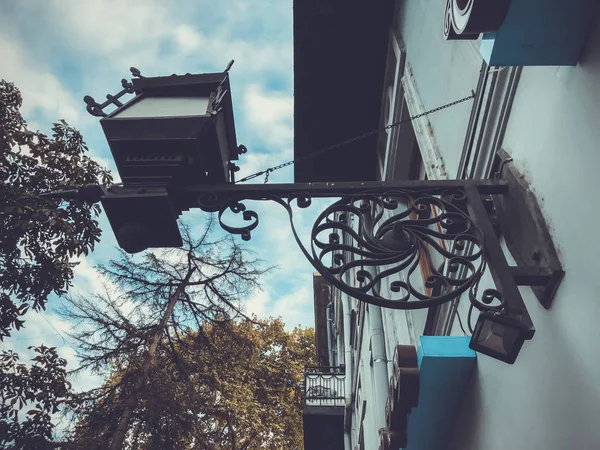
<point>97,109</point>
<point>317,392</point>
<point>371,245</point>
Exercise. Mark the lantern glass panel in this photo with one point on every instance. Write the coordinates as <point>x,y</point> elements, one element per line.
<point>166,107</point>
<point>498,337</point>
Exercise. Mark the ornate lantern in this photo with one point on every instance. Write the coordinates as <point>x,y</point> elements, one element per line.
<point>176,131</point>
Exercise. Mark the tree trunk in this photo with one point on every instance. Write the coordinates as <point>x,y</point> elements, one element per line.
<point>231,433</point>
<point>118,437</point>
<point>130,404</point>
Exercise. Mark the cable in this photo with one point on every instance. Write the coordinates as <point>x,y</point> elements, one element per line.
<point>461,323</point>
<point>59,333</point>
<point>497,69</point>
<point>267,171</point>
<point>31,338</point>
<point>469,318</point>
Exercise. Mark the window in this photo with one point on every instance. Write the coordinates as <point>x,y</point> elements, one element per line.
<point>361,433</point>
<point>359,315</point>
<point>358,396</point>
<point>398,150</point>
<point>361,437</point>
<point>391,102</point>
<point>352,326</point>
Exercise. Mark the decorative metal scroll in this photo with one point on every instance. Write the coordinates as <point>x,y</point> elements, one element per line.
<point>320,392</point>
<point>370,245</point>
<point>217,98</point>
<point>97,109</point>
<point>324,386</point>
<point>330,370</point>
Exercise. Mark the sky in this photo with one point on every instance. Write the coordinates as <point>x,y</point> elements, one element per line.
<point>57,51</point>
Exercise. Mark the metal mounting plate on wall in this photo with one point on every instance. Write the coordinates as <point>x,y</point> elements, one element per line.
<point>526,234</point>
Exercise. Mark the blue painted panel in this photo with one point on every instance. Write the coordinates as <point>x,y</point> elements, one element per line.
<point>540,33</point>
<point>446,364</point>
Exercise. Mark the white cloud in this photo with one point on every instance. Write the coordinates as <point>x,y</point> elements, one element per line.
<point>79,47</point>
<point>46,98</point>
<point>43,328</point>
<point>122,33</point>
<point>253,162</point>
<point>269,127</point>
<point>110,26</point>
<point>258,304</point>
<point>42,92</point>
<point>294,308</point>
<point>87,280</point>
<point>187,38</point>
<point>51,330</point>
<point>271,114</point>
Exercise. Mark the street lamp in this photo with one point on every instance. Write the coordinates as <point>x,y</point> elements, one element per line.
<point>176,131</point>
<point>500,335</point>
<point>174,144</point>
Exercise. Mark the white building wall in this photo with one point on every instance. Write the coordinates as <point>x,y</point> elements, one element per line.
<point>367,397</point>
<point>550,398</point>
<point>443,72</point>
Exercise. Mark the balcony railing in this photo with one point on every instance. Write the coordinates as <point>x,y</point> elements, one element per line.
<point>324,386</point>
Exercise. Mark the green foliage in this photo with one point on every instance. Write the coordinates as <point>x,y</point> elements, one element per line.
<point>229,385</point>
<point>135,327</point>
<point>38,236</point>
<point>40,389</point>
<point>259,384</point>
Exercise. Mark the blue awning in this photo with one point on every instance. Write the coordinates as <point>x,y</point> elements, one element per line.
<point>446,364</point>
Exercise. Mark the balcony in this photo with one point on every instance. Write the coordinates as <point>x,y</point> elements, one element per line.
<point>324,408</point>
<point>324,386</point>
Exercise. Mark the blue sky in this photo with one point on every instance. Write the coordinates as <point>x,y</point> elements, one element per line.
<point>57,51</point>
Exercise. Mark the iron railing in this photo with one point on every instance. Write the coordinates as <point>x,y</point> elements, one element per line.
<point>324,386</point>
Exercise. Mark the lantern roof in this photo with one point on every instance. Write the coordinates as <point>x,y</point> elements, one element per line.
<point>188,84</point>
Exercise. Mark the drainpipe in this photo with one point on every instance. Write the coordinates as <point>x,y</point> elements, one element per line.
<point>328,309</point>
<point>377,335</point>
<point>346,303</point>
<point>380,373</point>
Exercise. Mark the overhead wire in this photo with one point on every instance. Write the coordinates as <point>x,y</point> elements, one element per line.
<point>266,172</point>
<point>58,332</point>
<point>31,338</point>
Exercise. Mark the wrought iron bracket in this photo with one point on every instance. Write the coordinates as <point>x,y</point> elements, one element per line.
<point>371,241</point>
<point>395,222</point>
<point>526,234</point>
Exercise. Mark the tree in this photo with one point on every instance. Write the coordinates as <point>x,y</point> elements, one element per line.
<point>155,299</point>
<point>230,385</point>
<point>39,237</point>
<point>41,387</point>
<point>257,401</point>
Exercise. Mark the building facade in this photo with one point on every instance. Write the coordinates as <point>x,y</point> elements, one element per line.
<point>532,114</point>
